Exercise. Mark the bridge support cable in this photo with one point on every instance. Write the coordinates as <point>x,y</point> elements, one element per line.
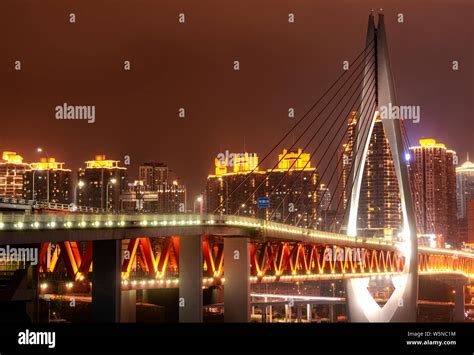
<point>307,130</point>
<point>365,131</point>
<point>355,149</point>
<point>319,162</point>
<point>363,111</point>
<point>328,148</point>
<point>287,134</point>
<point>326,135</point>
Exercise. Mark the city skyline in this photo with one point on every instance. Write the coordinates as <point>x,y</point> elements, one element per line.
<point>134,174</point>
<point>137,110</point>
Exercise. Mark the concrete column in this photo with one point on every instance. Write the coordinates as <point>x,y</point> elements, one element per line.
<point>270,314</point>
<point>106,280</point>
<point>309,312</point>
<point>237,284</point>
<point>264,314</point>
<point>190,279</point>
<point>459,302</point>
<point>128,309</point>
<point>332,314</point>
<point>288,311</point>
<point>32,308</point>
<point>298,313</point>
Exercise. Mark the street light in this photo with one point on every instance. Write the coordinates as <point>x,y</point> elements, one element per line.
<point>226,195</point>
<point>243,205</point>
<point>199,199</point>
<point>111,182</point>
<point>80,185</point>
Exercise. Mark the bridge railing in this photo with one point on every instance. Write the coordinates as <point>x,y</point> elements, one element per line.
<point>66,207</point>
<point>17,201</point>
<point>34,204</point>
<point>118,220</point>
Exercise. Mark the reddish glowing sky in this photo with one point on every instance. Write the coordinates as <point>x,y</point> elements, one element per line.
<point>191,66</point>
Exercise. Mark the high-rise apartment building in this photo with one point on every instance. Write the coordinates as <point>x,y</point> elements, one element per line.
<point>379,202</point>
<point>433,181</point>
<point>465,199</point>
<point>172,198</point>
<point>12,173</point>
<point>465,186</point>
<point>324,197</point>
<point>156,191</point>
<point>292,189</point>
<point>48,180</point>
<point>100,183</point>
<point>230,173</point>
<point>153,175</point>
<point>470,222</point>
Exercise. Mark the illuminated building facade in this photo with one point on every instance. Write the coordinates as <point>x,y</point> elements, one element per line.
<point>153,175</point>
<point>379,203</point>
<point>327,218</point>
<point>229,174</point>
<point>346,161</point>
<point>155,194</point>
<point>294,186</point>
<point>294,171</point>
<point>100,183</point>
<point>12,172</point>
<point>470,221</point>
<point>465,186</point>
<point>172,198</point>
<point>48,180</point>
<point>433,180</point>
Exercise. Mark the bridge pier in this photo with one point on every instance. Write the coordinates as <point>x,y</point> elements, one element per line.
<point>237,283</point>
<point>309,312</point>
<point>128,306</point>
<point>459,301</point>
<point>288,313</point>
<point>299,313</point>
<point>106,280</point>
<point>190,279</point>
<point>332,313</point>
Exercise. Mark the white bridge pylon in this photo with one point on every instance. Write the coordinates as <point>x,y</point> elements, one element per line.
<point>402,304</point>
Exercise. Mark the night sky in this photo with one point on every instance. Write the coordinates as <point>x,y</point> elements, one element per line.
<point>190,65</point>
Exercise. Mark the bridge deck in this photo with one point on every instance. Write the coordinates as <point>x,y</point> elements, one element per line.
<point>39,228</point>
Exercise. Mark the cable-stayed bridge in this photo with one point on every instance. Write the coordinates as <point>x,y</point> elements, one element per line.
<point>122,253</point>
